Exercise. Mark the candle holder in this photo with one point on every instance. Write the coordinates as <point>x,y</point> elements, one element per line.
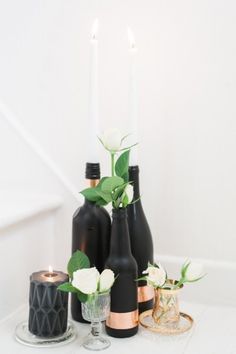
<point>166,307</point>
<point>165,317</point>
<point>25,337</point>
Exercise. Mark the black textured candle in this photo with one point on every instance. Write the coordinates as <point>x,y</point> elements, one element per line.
<point>48,306</point>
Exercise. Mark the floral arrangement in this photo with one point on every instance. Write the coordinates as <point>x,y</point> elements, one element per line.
<point>86,282</point>
<point>115,189</point>
<point>156,275</point>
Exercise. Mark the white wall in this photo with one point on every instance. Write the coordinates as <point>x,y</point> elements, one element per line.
<point>22,170</point>
<point>24,249</point>
<point>187,85</point>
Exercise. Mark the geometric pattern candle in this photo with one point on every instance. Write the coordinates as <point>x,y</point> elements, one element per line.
<point>48,306</point>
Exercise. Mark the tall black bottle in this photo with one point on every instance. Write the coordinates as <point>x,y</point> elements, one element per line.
<point>91,230</point>
<point>123,319</point>
<point>141,241</point>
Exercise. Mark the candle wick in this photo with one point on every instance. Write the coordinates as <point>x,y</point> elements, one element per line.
<point>133,47</point>
<point>50,275</point>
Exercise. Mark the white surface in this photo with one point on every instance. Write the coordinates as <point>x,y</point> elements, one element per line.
<point>17,207</point>
<point>213,333</point>
<point>186,65</point>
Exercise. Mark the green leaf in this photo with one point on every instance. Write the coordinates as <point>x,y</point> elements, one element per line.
<point>141,278</point>
<point>94,194</point>
<point>116,203</point>
<point>125,200</point>
<point>90,194</point>
<point>105,196</point>
<point>118,195</point>
<point>99,186</point>
<point>124,137</point>
<point>197,279</point>
<point>67,287</point>
<point>135,201</point>
<point>82,297</point>
<point>126,176</point>
<point>111,183</point>
<point>184,268</point>
<point>128,147</point>
<point>119,191</point>
<point>78,260</point>
<point>122,165</point>
<point>101,202</point>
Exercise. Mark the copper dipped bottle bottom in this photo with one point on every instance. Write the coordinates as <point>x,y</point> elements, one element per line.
<point>145,298</point>
<point>121,325</point>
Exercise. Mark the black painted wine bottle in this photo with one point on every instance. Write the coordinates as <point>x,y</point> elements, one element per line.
<point>91,230</point>
<point>123,318</point>
<point>141,241</point>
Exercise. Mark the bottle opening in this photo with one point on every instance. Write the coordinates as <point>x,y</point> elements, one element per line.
<point>119,213</point>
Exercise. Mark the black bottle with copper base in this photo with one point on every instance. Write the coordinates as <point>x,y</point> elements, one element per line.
<point>123,318</point>
<point>91,228</point>
<point>141,241</point>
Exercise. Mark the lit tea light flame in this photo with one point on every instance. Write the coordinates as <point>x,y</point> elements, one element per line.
<point>131,39</point>
<point>50,274</point>
<point>94,30</point>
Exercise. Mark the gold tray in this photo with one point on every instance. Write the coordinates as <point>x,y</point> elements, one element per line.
<point>147,321</point>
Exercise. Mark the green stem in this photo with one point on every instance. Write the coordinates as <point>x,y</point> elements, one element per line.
<point>112,164</point>
<point>180,282</point>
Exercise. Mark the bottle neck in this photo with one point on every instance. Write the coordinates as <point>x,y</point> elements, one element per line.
<point>134,177</point>
<point>120,241</point>
<point>91,183</point>
<point>92,175</point>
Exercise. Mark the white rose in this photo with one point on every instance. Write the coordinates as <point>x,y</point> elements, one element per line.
<point>86,280</point>
<point>129,190</point>
<point>112,139</point>
<point>193,272</point>
<point>106,280</point>
<point>155,276</point>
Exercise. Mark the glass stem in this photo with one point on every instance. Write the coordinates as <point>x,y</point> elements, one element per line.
<point>96,328</point>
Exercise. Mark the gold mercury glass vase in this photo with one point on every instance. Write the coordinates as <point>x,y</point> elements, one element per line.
<point>166,307</point>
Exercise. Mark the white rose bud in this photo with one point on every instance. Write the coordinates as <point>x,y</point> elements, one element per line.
<point>129,190</point>
<point>106,281</point>
<point>193,272</point>
<point>156,276</point>
<point>112,139</point>
<point>86,280</point>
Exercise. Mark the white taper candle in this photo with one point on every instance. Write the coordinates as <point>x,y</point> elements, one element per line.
<point>93,117</point>
<point>133,99</point>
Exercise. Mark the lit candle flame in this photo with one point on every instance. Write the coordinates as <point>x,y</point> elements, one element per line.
<point>50,269</point>
<point>94,30</point>
<point>131,39</point>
